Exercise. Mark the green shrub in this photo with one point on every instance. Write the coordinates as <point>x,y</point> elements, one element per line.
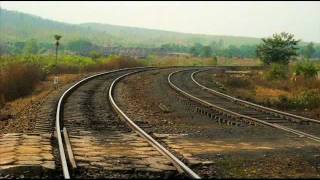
<point>306,68</point>
<point>277,71</point>
<point>307,99</point>
<point>214,60</point>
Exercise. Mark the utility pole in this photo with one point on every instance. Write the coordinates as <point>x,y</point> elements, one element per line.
<point>55,80</point>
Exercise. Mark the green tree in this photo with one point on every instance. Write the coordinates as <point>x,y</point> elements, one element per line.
<point>18,47</point>
<point>195,50</point>
<point>206,51</point>
<point>214,60</point>
<point>81,46</point>
<point>306,68</point>
<point>31,47</point>
<point>277,49</point>
<point>95,54</point>
<point>277,71</point>
<point>308,50</point>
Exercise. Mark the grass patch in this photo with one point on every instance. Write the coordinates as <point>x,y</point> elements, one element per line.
<point>19,75</point>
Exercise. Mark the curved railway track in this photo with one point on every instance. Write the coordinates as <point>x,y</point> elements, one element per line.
<point>235,110</point>
<point>90,136</point>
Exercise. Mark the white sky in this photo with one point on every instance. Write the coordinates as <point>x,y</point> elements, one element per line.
<point>253,19</point>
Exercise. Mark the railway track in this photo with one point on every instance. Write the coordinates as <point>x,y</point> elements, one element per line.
<point>96,139</point>
<point>233,110</point>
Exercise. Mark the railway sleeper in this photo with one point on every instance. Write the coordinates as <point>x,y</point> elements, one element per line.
<point>275,115</point>
<point>219,116</point>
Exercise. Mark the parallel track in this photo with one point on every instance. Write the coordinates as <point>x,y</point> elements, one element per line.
<point>60,129</point>
<point>179,164</point>
<point>227,105</point>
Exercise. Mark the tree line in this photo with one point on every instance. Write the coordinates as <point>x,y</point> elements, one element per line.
<point>215,48</point>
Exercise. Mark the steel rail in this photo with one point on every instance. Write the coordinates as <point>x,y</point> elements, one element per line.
<point>178,164</point>
<point>241,116</point>
<point>59,111</point>
<point>247,102</point>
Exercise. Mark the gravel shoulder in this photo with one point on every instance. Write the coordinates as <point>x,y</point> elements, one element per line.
<point>210,148</point>
<point>24,113</point>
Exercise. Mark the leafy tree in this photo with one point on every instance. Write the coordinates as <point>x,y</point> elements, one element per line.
<point>95,54</point>
<point>308,50</point>
<point>31,47</point>
<point>277,71</point>
<point>231,51</point>
<point>2,50</point>
<point>80,46</point>
<point>18,47</point>
<point>195,50</point>
<point>306,68</point>
<point>317,51</point>
<point>216,47</point>
<point>200,50</point>
<point>277,49</point>
<point>248,51</point>
<point>206,51</point>
<point>214,60</point>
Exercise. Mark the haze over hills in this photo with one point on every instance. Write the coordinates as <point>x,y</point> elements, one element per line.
<point>16,26</point>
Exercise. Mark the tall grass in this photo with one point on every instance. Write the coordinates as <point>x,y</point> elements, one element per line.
<point>20,75</point>
<point>19,79</point>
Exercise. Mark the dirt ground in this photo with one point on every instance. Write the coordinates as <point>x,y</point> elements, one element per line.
<point>213,149</point>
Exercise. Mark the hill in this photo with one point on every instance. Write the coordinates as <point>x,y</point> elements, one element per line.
<point>16,26</point>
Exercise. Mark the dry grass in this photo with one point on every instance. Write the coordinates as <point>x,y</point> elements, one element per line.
<point>197,61</point>
<point>113,63</point>
<point>19,79</point>
<point>299,93</point>
<point>263,93</point>
<point>222,61</point>
<point>23,110</point>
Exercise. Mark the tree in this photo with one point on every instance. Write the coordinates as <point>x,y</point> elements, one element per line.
<point>95,54</point>
<point>81,46</point>
<point>18,47</point>
<point>232,51</point>
<point>306,68</point>
<point>277,49</point>
<point>195,50</point>
<point>2,52</point>
<point>206,51</point>
<point>308,50</point>
<point>31,47</point>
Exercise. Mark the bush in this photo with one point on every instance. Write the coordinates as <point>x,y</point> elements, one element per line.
<point>277,71</point>
<point>19,79</point>
<point>306,68</point>
<point>238,82</point>
<point>214,60</point>
<point>307,99</point>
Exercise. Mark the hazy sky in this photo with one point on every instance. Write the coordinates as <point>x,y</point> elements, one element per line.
<point>254,19</point>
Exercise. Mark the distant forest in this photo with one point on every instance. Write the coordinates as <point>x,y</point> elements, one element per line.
<point>27,34</point>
